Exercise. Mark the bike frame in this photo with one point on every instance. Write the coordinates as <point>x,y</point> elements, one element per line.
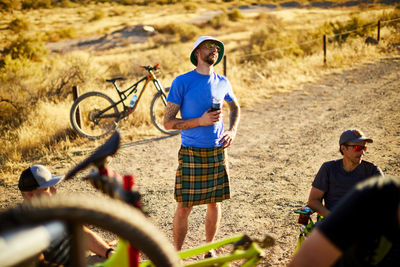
<point>244,249</point>
<point>124,94</point>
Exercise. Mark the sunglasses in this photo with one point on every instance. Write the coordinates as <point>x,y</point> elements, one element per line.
<point>358,148</point>
<point>211,45</point>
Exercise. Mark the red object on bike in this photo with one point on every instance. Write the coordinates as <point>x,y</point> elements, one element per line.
<point>303,219</point>
<point>128,182</point>
<point>133,256</point>
<point>104,171</point>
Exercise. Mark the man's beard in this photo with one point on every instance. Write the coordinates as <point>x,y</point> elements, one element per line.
<point>210,59</point>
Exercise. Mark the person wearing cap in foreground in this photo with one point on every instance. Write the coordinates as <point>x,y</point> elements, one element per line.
<point>37,181</point>
<point>335,178</point>
<point>202,174</point>
<point>347,237</point>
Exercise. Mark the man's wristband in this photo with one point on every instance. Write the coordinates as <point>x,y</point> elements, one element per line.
<point>108,251</point>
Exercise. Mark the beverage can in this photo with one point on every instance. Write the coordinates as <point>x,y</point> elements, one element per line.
<point>216,104</point>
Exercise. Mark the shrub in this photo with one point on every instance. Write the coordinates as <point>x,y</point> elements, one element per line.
<point>355,27</point>
<point>235,15</point>
<point>218,21</point>
<point>17,68</point>
<point>98,15</point>
<point>181,31</point>
<point>35,4</point>
<point>64,33</point>
<point>388,16</point>
<point>9,5</point>
<point>190,6</point>
<point>24,46</point>
<point>18,25</point>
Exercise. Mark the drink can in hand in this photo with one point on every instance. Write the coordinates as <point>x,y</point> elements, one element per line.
<point>216,104</point>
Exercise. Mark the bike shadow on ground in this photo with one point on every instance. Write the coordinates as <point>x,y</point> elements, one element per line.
<point>146,141</point>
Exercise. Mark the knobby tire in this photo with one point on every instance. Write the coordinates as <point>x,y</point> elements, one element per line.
<point>157,111</point>
<point>89,105</point>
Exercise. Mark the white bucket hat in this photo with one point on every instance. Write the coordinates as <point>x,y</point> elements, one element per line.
<point>201,39</point>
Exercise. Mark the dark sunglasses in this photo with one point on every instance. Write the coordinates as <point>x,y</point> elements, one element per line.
<point>211,45</point>
<point>358,148</point>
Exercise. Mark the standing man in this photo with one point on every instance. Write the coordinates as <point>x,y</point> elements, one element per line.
<point>335,178</point>
<point>37,181</point>
<point>202,175</point>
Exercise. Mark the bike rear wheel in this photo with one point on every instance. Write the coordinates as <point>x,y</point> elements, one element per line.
<point>109,214</point>
<point>94,115</point>
<point>157,112</point>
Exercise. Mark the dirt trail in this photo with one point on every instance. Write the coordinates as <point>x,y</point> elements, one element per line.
<point>280,145</point>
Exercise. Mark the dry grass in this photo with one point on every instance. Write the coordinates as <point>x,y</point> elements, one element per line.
<point>45,132</point>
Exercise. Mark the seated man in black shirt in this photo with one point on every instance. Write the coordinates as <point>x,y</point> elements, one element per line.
<point>337,177</point>
<point>349,235</point>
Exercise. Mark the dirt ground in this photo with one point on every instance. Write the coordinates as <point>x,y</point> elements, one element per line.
<point>280,145</point>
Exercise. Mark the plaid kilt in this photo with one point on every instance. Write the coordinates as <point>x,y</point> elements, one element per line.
<point>202,176</point>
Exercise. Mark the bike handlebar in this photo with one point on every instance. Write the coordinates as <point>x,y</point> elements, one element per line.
<point>150,68</point>
<point>105,179</point>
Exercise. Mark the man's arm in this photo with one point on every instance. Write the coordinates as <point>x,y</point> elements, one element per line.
<point>317,250</point>
<point>96,244</point>
<point>315,201</point>
<point>234,118</point>
<point>172,122</point>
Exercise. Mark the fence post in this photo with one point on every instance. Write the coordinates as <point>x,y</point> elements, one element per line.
<point>75,94</point>
<point>379,31</point>
<point>324,46</point>
<point>225,65</point>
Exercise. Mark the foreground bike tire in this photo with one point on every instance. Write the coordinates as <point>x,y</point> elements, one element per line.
<point>157,111</point>
<point>87,108</point>
<point>108,214</point>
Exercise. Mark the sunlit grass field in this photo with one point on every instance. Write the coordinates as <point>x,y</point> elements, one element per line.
<point>269,51</point>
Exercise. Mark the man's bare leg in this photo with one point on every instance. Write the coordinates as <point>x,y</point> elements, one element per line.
<point>213,217</point>
<point>180,225</point>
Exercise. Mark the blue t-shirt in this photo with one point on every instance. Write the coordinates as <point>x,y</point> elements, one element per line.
<point>194,93</point>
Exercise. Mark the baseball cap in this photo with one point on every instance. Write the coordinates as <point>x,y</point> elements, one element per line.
<point>201,39</point>
<point>353,135</point>
<point>37,176</point>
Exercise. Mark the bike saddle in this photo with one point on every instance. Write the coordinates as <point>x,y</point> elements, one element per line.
<point>115,79</point>
<point>98,157</point>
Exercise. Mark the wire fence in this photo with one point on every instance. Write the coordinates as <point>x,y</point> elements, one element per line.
<point>325,38</point>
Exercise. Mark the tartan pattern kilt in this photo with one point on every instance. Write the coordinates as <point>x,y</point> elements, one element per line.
<point>202,176</point>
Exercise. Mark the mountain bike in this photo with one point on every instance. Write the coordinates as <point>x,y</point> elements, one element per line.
<point>123,215</point>
<point>94,114</point>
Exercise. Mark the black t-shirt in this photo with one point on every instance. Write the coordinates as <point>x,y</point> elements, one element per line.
<point>336,182</point>
<point>365,226</point>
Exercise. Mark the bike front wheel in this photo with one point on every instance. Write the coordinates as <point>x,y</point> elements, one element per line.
<point>94,115</point>
<point>111,215</point>
<point>157,112</point>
